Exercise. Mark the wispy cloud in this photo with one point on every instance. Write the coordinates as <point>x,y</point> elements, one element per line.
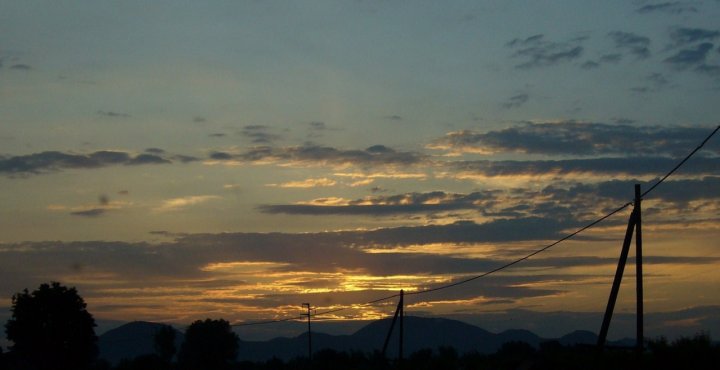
<point>690,57</point>
<point>537,52</point>
<point>516,101</point>
<point>21,67</point>
<point>94,212</point>
<point>307,183</point>
<point>259,134</point>
<point>673,7</point>
<point>177,204</point>
<point>112,114</point>
<point>682,36</point>
<point>635,44</point>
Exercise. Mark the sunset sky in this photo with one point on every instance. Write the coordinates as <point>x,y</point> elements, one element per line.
<point>234,159</point>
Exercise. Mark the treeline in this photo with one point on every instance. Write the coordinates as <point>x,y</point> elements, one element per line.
<point>51,329</point>
<point>685,353</point>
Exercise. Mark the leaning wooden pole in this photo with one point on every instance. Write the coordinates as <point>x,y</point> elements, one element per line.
<point>616,282</point>
<point>638,268</point>
<point>402,328</point>
<point>398,312</point>
<point>309,332</point>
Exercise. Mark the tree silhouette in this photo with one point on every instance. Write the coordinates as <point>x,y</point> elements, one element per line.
<point>51,329</point>
<point>165,343</point>
<point>209,344</point>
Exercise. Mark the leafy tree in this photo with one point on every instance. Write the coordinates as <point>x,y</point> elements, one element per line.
<point>51,329</point>
<point>165,343</point>
<point>209,344</point>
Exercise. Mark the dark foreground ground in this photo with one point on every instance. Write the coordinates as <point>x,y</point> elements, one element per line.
<point>698,352</point>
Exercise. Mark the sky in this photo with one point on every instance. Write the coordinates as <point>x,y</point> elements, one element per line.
<point>234,159</point>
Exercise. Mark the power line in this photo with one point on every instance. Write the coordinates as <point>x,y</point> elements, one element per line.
<point>681,162</point>
<point>507,265</point>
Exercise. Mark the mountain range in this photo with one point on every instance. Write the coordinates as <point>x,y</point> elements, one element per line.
<point>137,338</point>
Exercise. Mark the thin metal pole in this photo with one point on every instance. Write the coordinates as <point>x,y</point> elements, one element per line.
<point>638,268</point>
<point>309,332</point>
<point>616,282</point>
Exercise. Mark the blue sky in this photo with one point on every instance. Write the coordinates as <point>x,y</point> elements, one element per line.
<point>183,160</point>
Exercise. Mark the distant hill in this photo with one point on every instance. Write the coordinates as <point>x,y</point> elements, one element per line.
<point>131,340</point>
<point>137,338</point>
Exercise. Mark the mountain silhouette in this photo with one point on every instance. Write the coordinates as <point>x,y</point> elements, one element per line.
<point>137,338</point>
<point>131,340</point>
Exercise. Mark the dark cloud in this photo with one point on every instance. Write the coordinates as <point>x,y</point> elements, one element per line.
<point>690,57</point>
<point>316,129</point>
<point>682,36</point>
<point>54,161</point>
<point>199,119</point>
<point>712,70</point>
<point>148,159</point>
<point>95,212</point>
<point>184,158</point>
<point>112,114</point>
<point>320,155</point>
<point>607,58</point>
<point>21,67</point>
<point>217,134</point>
<point>611,58</point>
<point>677,192</point>
<point>634,166</point>
<point>259,134</point>
<point>526,41</point>
<point>540,53</point>
<point>436,201</point>
<point>658,79</point>
<point>103,200</point>
<point>674,7</point>
<point>180,263</point>
<point>155,150</point>
<point>515,101</point>
<point>317,125</point>
<point>635,44</point>
<point>177,272</point>
<point>394,117</point>
<point>590,65</point>
<point>577,138</point>
<point>576,201</point>
<point>623,121</point>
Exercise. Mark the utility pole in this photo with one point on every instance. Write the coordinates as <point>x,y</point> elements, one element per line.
<point>638,270</point>
<point>634,224</point>
<point>399,312</point>
<point>309,332</point>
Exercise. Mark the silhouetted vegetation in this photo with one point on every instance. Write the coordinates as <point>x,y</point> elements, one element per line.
<point>697,353</point>
<point>209,344</point>
<point>51,329</point>
<point>165,343</point>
